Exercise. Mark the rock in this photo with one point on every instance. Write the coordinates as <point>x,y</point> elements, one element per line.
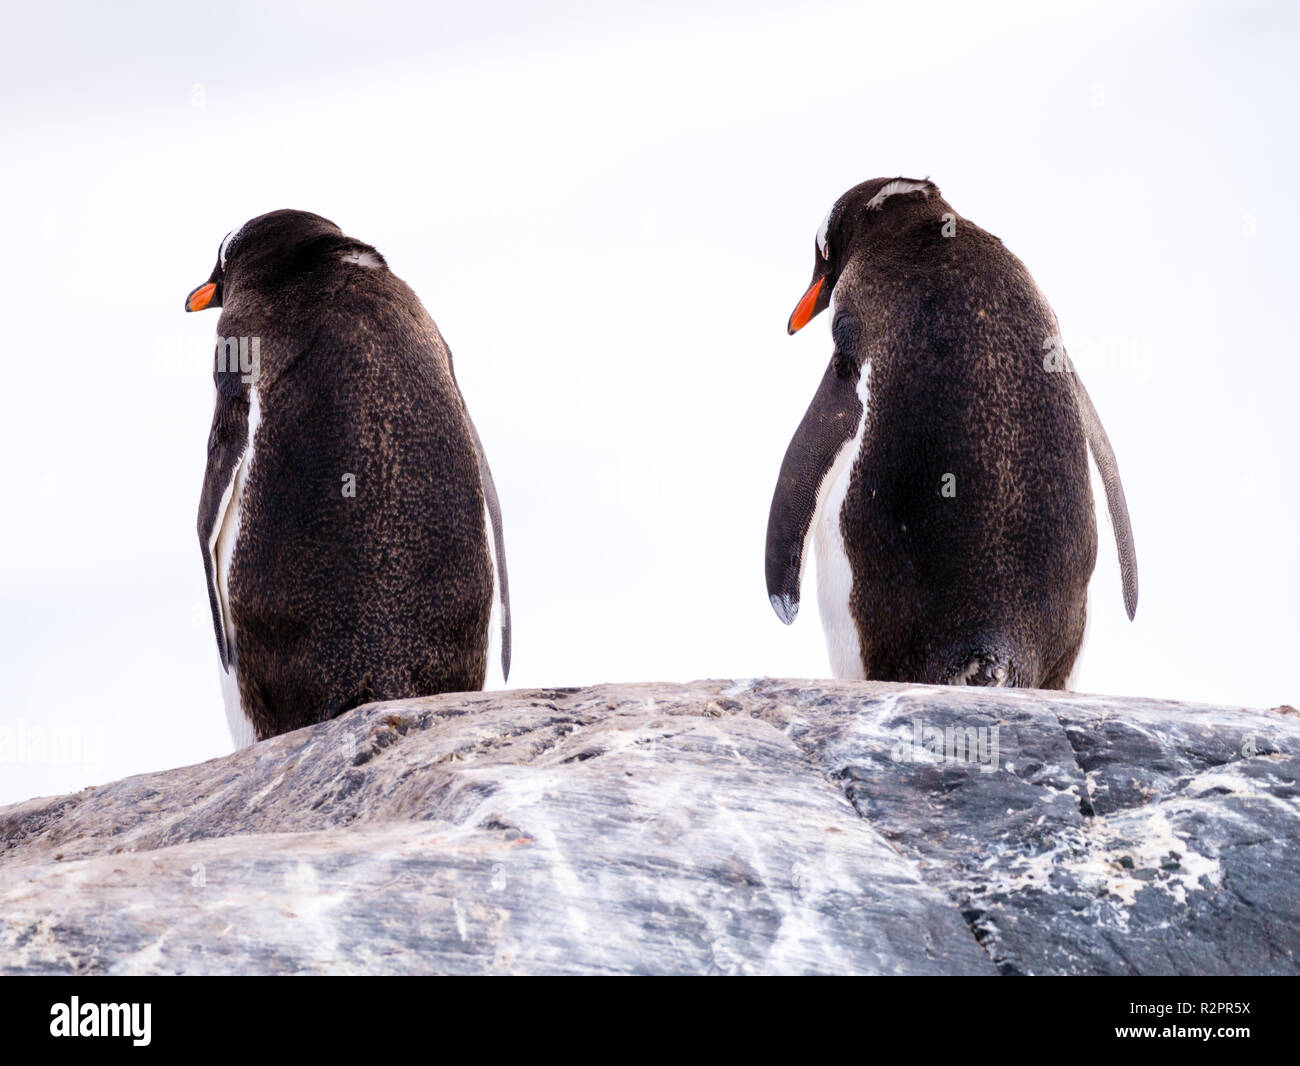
<point>753,827</point>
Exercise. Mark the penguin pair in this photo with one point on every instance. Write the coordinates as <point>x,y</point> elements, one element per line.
<point>351,533</point>
<point>940,473</point>
<point>349,526</point>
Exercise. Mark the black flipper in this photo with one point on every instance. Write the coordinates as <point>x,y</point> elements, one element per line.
<point>831,422</point>
<point>1104,456</point>
<point>499,544</point>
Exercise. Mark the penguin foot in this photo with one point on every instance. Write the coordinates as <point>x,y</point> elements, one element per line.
<point>983,670</point>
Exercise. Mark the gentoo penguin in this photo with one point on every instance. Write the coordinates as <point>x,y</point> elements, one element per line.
<point>942,467</point>
<point>350,529</point>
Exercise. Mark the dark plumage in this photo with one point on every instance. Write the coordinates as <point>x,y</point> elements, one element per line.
<point>333,600</point>
<point>964,536</point>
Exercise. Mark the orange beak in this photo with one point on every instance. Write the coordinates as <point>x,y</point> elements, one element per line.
<point>200,297</point>
<point>804,310</point>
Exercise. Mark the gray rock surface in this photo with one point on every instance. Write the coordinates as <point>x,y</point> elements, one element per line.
<point>719,827</point>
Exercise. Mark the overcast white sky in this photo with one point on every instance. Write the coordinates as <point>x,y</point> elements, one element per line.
<point>609,210</point>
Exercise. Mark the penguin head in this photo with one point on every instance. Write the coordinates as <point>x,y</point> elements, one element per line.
<point>271,243</point>
<point>864,213</point>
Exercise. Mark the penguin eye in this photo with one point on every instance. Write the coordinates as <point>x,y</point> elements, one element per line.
<point>226,241</point>
<point>822,245</point>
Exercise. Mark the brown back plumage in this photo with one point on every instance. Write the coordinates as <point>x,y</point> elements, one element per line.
<point>363,568</point>
<point>968,519</point>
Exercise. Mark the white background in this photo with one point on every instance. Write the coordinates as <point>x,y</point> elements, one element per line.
<point>610,213</point>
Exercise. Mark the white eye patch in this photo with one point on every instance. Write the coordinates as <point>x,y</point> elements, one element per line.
<point>893,188</point>
<point>822,246</point>
<point>365,259</point>
<point>225,246</point>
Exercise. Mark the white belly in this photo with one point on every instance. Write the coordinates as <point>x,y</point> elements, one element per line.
<point>834,578</point>
<point>241,726</point>
<point>223,549</point>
